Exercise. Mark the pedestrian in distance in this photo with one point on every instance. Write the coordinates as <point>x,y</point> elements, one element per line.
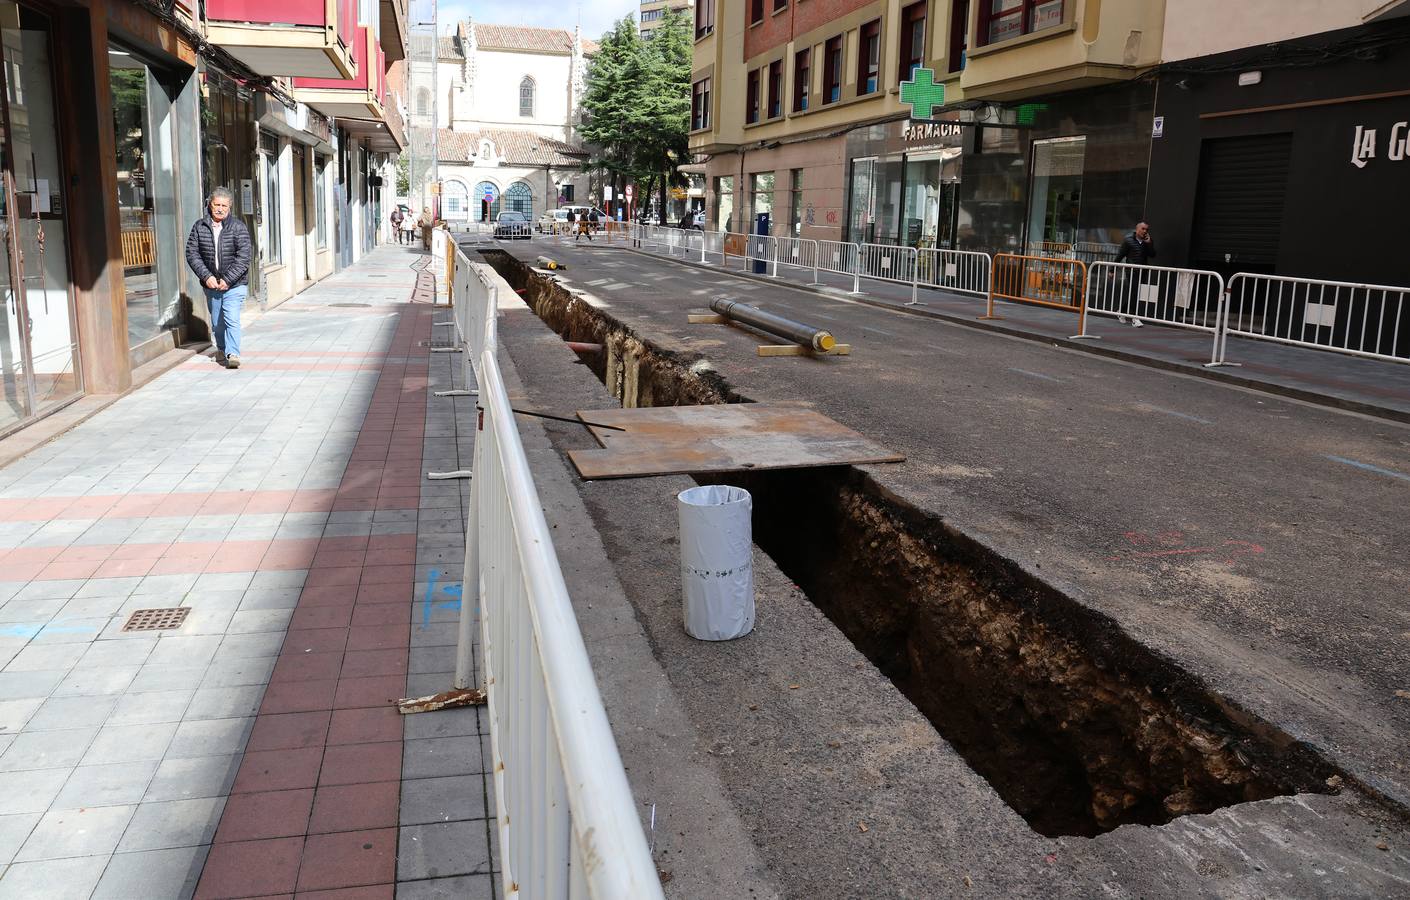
<point>397,216</point>
<point>408,226</point>
<point>592,220</point>
<point>1138,249</point>
<point>218,250</point>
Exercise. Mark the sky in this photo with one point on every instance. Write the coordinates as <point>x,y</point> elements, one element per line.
<point>597,15</point>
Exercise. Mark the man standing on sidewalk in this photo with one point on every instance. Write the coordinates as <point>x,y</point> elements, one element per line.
<point>1138,249</point>
<point>218,251</point>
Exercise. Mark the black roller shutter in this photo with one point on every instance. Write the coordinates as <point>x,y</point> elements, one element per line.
<point>1243,182</point>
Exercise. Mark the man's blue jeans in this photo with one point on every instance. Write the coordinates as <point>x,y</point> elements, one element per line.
<point>225,317</point>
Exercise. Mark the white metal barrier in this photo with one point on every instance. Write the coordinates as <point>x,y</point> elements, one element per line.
<point>1370,320</point>
<point>567,820</point>
<point>1091,252</point>
<point>961,271</point>
<point>1183,298</point>
<point>797,253</point>
<point>840,257</point>
<point>887,262</point>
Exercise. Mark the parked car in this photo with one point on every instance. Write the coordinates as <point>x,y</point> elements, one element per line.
<point>512,225</point>
<point>553,220</point>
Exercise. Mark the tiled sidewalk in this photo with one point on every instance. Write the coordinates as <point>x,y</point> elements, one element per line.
<point>253,751</point>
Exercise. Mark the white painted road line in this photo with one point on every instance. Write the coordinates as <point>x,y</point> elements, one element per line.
<point>1037,375</point>
<point>1370,468</point>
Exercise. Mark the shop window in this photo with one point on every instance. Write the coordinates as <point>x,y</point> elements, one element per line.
<point>455,201</point>
<point>700,104</point>
<point>526,97</point>
<point>518,197</point>
<point>270,233</point>
<point>802,75</point>
<point>320,199</point>
<point>756,11</point>
<point>874,200</point>
<point>912,39</point>
<point>146,195</point>
<point>751,99</point>
<point>869,59</point>
<point>724,202</point>
<point>796,199</point>
<point>959,34</point>
<point>1000,20</point>
<point>761,196</point>
<point>832,70</point>
<point>704,18</point>
<point>1055,201</point>
<point>775,89</point>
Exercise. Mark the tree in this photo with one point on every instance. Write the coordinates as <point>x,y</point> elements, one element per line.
<point>637,104</point>
<point>403,175</point>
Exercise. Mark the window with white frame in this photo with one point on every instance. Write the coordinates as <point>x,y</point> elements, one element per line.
<point>526,97</point>
<point>456,200</point>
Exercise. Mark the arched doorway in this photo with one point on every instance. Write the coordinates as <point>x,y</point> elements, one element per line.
<point>487,196</point>
<point>519,198</point>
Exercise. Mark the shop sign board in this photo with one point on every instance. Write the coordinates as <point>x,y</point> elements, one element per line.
<point>1364,144</point>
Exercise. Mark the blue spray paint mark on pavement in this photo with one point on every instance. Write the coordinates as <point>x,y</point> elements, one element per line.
<point>25,630</point>
<point>1370,468</point>
<point>429,603</point>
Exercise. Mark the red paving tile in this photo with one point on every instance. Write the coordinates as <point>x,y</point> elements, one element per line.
<point>266,814</point>
<point>334,577</point>
<point>251,868</point>
<point>387,574</point>
<point>361,763</point>
<point>367,663</point>
<point>369,892</point>
<point>289,731</point>
<point>378,691</point>
<point>365,725</point>
<point>355,807</point>
<point>378,614</point>
<point>321,617</point>
<point>309,667</point>
<point>278,770</point>
<point>298,696</point>
<point>348,859</point>
<point>331,595</point>
<point>379,637</point>
<point>315,640</point>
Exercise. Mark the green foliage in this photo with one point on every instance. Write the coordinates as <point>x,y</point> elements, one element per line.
<point>403,175</point>
<point>637,103</point>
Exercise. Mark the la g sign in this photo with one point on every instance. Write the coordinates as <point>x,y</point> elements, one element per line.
<point>1363,146</point>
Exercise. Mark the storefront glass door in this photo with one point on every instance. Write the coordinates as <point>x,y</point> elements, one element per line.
<point>1056,198</point>
<point>38,341</point>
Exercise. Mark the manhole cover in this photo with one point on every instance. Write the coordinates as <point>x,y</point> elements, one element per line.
<point>157,619</point>
<point>350,305</point>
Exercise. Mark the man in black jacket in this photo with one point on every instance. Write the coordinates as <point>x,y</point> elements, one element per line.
<point>1138,249</point>
<point>218,250</point>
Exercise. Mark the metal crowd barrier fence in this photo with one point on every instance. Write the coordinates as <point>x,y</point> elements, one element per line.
<point>888,262</point>
<point>798,253</point>
<point>840,258</point>
<point>1042,281</point>
<point>762,248</point>
<point>1049,249</point>
<point>961,271</point>
<point>513,231</point>
<point>1094,252</point>
<point>566,816</point>
<point>1370,320</point>
<point>1182,298</point>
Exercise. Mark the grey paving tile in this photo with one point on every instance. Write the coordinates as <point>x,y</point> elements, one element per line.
<point>42,657</point>
<point>53,879</point>
<point>240,671</point>
<point>33,613</point>
<point>294,578</point>
<point>210,737</point>
<point>437,757</point>
<point>184,651</point>
<point>30,791</point>
<point>429,800</point>
<point>83,682</point>
<point>46,749</point>
<point>63,833</point>
<point>169,585</point>
<point>432,659</point>
<point>44,590</point>
<point>59,713</point>
<point>148,708</point>
<point>107,785</point>
<point>460,887</point>
<point>449,848</point>
<point>186,779</point>
<point>269,598</point>
<point>260,620</point>
<point>119,653</point>
<point>244,646</point>
<point>225,702</point>
<point>162,874</point>
<point>129,743</point>
<point>174,823</point>
<point>445,723</point>
<point>208,621</point>
<point>71,631</point>
<point>167,678</point>
<point>14,831</point>
<point>108,587</point>
<point>15,713</point>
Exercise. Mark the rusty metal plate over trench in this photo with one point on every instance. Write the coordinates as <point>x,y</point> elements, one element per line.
<point>677,440</point>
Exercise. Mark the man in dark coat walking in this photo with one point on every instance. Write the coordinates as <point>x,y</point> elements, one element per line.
<point>218,250</point>
<point>1138,249</point>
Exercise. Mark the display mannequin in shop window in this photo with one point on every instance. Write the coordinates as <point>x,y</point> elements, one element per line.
<point>218,250</point>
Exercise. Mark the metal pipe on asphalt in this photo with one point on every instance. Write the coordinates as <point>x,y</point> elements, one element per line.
<point>807,335</point>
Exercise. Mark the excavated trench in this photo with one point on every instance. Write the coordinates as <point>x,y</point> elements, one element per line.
<point>1078,727</point>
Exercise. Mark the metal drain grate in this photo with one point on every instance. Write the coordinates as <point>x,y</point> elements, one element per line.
<point>350,305</point>
<point>157,619</point>
<point>434,344</point>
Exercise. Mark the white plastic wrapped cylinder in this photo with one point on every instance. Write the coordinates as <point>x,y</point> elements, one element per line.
<point>717,561</point>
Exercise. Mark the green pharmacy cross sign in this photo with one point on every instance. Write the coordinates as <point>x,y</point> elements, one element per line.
<point>923,94</point>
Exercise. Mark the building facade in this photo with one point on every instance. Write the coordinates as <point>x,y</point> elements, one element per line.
<point>120,118</point>
<point>1042,133</point>
<point>507,106</point>
<point>652,12</point>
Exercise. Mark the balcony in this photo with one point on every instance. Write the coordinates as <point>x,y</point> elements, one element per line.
<point>1078,44</point>
<point>359,97</point>
<point>281,38</point>
<point>394,29</point>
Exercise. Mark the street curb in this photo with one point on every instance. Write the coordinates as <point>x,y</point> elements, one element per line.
<point>1089,347</point>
